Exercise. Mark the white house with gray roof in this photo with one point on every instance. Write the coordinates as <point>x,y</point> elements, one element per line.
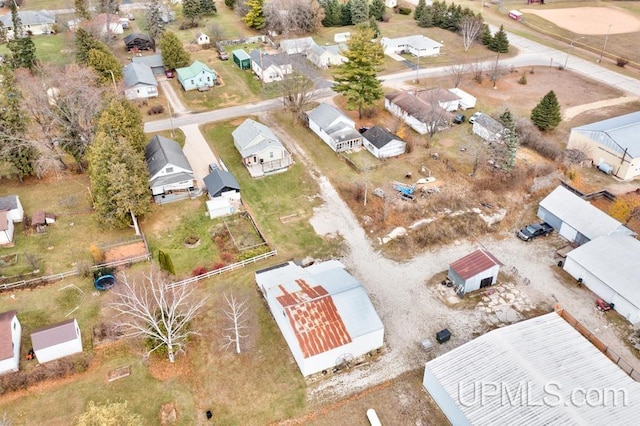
<point>153,61</point>
<point>34,22</point>
<point>139,82</point>
<point>296,45</point>
<point>416,45</point>
<point>382,143</point>
<point>326,56</point>
<point>541,371</point>
<point>270,67</point>
<point>334,128</point>
<point>576,219</point>
<point>171,175</point>
<point>261,151</point>
<point>57,341</point>
<point>610,266</point>
<point>614,142</point>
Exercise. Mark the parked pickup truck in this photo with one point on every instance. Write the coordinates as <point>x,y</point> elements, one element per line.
<point>532,231</point>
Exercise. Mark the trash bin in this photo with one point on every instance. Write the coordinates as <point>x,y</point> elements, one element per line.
<point>443,336</point>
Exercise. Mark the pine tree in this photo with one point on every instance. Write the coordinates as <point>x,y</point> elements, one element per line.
<point>208,7</point>
<point>373,24</point>
<point>359,11</point>
<point>85,42</point>
<point>346,14</point>
<point>166,263</point>
<point>485,35</point>
<point>122,120</point>
<point>356,79</point>
<point>106,65</point>
<point>426,19</point>
<point>119,180</point>
<point>500,42</point>
<point>173,53</point>
<point>420,9</point>
<point>546,115</point>
<point>230,3</point>
<point>81,9</point>
<point>23,53</point>
<point>377,9</point>
<point>510,139</point>
<point>255,16</point>
<point>332,13</point>
<point>191,10</point>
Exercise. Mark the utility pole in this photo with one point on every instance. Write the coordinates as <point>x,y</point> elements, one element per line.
<point>605,43</point>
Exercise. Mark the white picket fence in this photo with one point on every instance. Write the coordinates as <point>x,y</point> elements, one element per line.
<point>222,270</point>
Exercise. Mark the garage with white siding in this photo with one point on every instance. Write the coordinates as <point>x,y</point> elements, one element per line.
<point>610,266</point>
<point>474,271</point>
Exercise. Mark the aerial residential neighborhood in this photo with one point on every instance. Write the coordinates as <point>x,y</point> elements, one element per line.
<point>321,212</point>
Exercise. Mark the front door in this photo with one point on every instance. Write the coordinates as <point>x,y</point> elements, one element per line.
<point>486,282</point>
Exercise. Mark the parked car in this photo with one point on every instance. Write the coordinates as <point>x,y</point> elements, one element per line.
<point>459,118</point>
<point>223,55</point>
<point>475,115</point>
<point>534,230</point>
<point>170,73</point>
<point>212,167</point>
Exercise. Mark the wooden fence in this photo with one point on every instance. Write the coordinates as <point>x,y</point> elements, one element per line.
<point>222,270</point>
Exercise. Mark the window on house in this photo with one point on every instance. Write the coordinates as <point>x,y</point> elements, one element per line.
<point>169,170</point>
<point>151,89</point>
<point>271,154</point>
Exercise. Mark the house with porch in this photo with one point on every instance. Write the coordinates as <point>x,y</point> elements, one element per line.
<point>326,56</point>
<point>139,82</point>
<point>196,76</point>
<point>261,151</point>
<point>334,128</point>
<point>171,175</point>
<point>270,67</point>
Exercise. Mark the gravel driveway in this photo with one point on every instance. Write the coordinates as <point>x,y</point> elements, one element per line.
<point>411,311</point>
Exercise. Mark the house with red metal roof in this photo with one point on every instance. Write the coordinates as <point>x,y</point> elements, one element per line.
<point>323,312</point>
<point>474,271</point>
<point>57,341</point>
<point>10,333</point>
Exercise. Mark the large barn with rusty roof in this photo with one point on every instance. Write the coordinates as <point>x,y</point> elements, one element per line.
<point>323,312</point>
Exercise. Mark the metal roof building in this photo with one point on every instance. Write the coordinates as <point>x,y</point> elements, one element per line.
<point>610,266</point>
<point>576,219</point>
<point>536,372</point>
<point>323,312</point>
<point>613,141</point>
<point>474,271</point>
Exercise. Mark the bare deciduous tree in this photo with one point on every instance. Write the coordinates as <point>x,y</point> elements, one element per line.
<point>456,72</point>
<point>295,16</point>
<point>477,70</point>
<point>434,117</point>
<point>298,87</point>
<point>156,311</point>
<point>495,71</point>
<point>470,26</point>
<point>234,313</point>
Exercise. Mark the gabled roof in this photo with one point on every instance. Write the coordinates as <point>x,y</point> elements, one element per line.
<point>193,70</point>
<point>418,42</point>
<point>618,133</point>
<point>326,307</point>
<point>615,260</point>
<point>474,263</point>
<point>415,107</point>
<point>325,114</point>
<point>218,180</point>
<point>336,49</point>
<point>494,126</point>
<point>379,137</point>
<point>151,60</point>
<point>133,36</point>
<point>538,367</point>
<point>134,73</point>
<point>9,202</point>
<point>252,137</point>
<point>30,17</point>
<point>161,152</point>
<point>6,342</point>
<point>436,94</point>
<point>581,215</point>
<point>267,60</point>
<point>54,335</point>
<point>240,54</point>
<point>295,43</point>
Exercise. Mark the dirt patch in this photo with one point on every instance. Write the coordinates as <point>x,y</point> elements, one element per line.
<point>163,370</point>
<point>590,20</point>
<point>125,251</point>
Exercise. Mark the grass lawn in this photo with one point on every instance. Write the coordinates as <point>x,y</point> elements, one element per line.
<point>52,49</point>
<point>67,241</point>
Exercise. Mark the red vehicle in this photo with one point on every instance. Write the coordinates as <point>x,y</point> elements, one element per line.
<point>604,306</point>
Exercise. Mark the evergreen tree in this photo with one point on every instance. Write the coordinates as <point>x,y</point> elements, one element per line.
<point>230,3</point>
<point>155,26</point>
<point>85,42</point>
<point>191,10</point>
<point>420,9</point>
<point>81,9</point>
<point>23,53</point>
<point>122,120</point>
<point>166,263</point>
<point>485,35</point>
<point>332,13</point>
<point>546,115</point>
<point>426,19</point>
<point>106,65</point>
<point>373,24</point>
<point>14,149</point>
<point>173,53</point>
<point>356,79</point>
<point>377,9</point>
<point>510,139</point>
<point>119,181</point>
<point>255,16</point>
<point>346,14</point>
<point>499,42</point>
<point>359,11</point>
<point>208,7</point>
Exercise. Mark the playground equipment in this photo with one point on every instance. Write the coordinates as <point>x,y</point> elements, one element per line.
<point>104,279</point>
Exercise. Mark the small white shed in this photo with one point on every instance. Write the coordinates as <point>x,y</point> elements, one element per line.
<point>10,333</point>
<point>474,271</point>
<point>218,207</point>
<point>202,39</point>
<point>57,341</point>
<point>466,100</point>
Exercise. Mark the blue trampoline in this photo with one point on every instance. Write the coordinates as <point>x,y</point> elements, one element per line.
<point>105,282</point>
